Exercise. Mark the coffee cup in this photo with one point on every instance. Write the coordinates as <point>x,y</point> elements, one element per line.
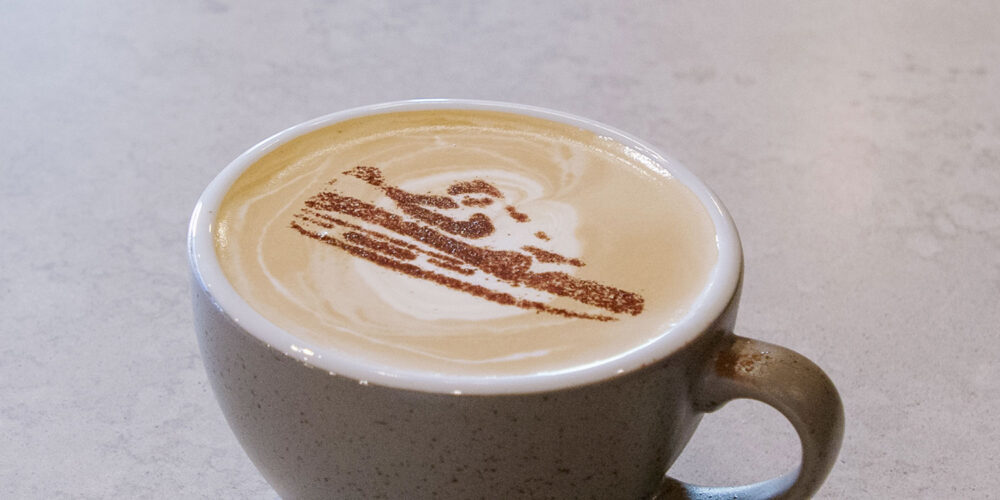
<point>471,299</point>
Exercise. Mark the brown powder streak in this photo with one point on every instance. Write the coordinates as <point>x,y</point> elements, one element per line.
<point>477,226</point>
<point>371,175</point>
<point>551,257</point>
<point>446,265</point>
<point>376,234</point>
<point>395,241</point>
<point>443,258</point>
<point>510,266</point>
<point>588,292</point>
<point>456,284</point>
<point>476,202</point>
<point>344,223</point>
<point>500,263</point>
<point>542,236</point>
<point>320,223</point>
<point>518,216</point>
<point>476,186</point>
<point>386,247</point>
<point>407,198</point>
<point>379,246</point>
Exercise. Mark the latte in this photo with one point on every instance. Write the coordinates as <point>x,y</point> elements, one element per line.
<point>465,243</point>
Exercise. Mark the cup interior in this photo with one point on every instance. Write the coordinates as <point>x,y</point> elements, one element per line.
<point>208,273</point>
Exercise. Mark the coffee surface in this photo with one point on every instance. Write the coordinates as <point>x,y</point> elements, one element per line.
<point>465,243</point>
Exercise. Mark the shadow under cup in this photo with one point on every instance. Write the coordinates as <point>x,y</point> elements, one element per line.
<point>321,424</point>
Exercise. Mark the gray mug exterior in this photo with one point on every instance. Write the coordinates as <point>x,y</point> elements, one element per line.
<point>313,434</point>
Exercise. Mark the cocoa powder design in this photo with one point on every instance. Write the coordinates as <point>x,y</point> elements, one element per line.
<point>443,241</point>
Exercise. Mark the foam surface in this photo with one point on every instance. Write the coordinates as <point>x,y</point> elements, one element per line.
<point>465,242</point>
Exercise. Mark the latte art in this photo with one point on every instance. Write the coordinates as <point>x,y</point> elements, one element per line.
<point>435,247</point>
<point>465,242</point>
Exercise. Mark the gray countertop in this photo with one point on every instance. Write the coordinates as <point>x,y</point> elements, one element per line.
<point>857,145</point>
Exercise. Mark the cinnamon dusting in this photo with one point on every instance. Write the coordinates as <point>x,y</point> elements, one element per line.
<point>477,226</point>
<point>551,257</point>
<point>327,222</point>
<point>427,231</point>
<point>518,216</point>
<point>477,202</point>
<point>379,246</point>
<point>371,175</point>
<point>477,186</point>
<point>458,269</point>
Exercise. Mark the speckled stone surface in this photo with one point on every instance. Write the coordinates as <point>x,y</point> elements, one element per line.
<point>856,144</point>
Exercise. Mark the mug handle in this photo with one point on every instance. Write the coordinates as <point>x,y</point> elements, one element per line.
<point>793,385</point>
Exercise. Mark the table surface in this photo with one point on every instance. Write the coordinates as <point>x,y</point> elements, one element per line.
<point>856,143</point>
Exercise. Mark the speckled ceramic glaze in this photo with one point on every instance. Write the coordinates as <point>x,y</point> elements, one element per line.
<point>320,426</point>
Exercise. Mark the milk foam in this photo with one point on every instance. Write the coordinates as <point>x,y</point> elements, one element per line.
<point>426,301</point>
<point>313,264</point>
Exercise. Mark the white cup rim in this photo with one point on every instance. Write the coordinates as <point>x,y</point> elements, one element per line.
<point>208,273</point>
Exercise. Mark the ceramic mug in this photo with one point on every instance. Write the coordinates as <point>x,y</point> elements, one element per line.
<point>331,427</point>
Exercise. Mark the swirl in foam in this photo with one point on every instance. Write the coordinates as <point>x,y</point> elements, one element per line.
<point>426,300</point>
<point>465,242</point>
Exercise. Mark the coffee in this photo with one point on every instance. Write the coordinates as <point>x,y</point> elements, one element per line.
<point>465,242</point>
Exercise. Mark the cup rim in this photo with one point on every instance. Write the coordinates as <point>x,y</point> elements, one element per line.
<point>711,303</point>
